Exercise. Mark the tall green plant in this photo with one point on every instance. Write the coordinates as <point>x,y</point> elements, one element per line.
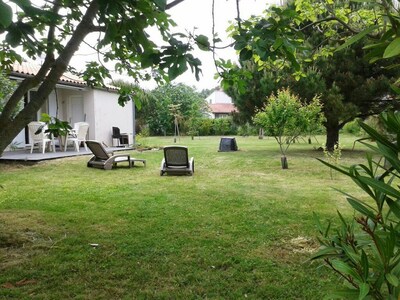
<point>285,118</point>
<point>365,250</point>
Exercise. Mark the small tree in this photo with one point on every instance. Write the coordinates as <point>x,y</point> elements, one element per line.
<point>285,118</point>
<point>223,126</point>
<point>174,110</point>
<point>155,109</point>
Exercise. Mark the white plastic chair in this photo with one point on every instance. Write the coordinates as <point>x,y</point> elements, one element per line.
<point>41,138</point>
<point>78,135</point>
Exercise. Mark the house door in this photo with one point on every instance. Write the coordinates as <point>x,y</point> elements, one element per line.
<point>76,112</point>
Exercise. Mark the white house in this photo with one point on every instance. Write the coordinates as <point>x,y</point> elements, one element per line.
<point>73,101</point>
<point>220,104</point>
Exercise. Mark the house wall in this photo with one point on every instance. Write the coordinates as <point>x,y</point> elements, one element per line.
<point>218,97</point>
<point>108,113</point>
<point>99,108</point>
<point>64,97</point>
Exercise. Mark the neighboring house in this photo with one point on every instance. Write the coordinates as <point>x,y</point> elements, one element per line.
<point>73,101</point>
<point>220,104</point>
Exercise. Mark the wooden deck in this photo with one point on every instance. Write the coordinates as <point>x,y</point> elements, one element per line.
<point>24,155</point>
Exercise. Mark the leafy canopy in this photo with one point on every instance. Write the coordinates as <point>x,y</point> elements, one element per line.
<point>285,117</point>
<point>156,111</point>
<point>280,38</point>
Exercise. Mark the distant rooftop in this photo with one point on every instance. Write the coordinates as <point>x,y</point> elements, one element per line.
<point>222,108</point>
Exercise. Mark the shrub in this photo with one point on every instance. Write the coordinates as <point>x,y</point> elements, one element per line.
<point>224,126</point>
<point>365,251</point>
<point>246,130</point>
<point>353,127</point>
<point>206,127</point>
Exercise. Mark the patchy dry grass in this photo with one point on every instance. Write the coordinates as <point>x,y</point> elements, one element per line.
<point>241,227</point>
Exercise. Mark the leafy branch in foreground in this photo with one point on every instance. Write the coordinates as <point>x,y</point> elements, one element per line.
<point>365,251</point>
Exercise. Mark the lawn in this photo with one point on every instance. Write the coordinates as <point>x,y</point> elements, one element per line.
<point>241,227</point>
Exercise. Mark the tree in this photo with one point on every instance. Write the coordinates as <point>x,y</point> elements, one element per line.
<point>285,118</point>
<point>278,37</point>
<point>258,84</point>
<point>57,28</point>
<point>155,110</point>
<point>348,84</point>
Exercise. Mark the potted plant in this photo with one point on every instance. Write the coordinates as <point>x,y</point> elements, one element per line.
<point>55,127</point>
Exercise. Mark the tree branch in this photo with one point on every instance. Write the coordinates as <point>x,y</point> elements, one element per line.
<point>334,18</point>
<point>173,3</point>
<point>57,68</point>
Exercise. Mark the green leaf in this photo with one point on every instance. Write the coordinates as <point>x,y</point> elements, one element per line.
<point>245,54</point>
<point>393,49</point>
<point>345,269</point>
<point>161,4</point>
<point>277,44</point>
<point>365,265</point>
<point>317,222</point>
<point>392,279</point>
<point>343,171</point>
<point>394,207</point>
<point>5,14</point>
<point>381,186</point>
<point>377,136</point>
<point>364,290</point>
<point>325,252</point>
<point>202,42</point>
<point>357,37</point>
<point>358,206</point>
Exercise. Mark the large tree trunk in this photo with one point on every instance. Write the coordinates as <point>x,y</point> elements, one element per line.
<point>332,134</point>
<point>9,128</point>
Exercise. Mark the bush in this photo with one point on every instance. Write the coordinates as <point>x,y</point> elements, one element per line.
<point>246,130</point>
<point>365,251</point>
<point>353,127</point>
<point>224,126</point>
<point>206,127</point>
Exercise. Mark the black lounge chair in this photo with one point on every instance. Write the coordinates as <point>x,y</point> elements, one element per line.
<point>104,160</point>
<point>176,161</point>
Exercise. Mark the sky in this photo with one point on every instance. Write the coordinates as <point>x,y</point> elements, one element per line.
<point>191,14</point>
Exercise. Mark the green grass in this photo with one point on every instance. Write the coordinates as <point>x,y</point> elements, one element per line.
<point>241,227</point>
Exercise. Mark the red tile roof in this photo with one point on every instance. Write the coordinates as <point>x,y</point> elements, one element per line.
<point>29,69</point>
<point>222,108</point>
